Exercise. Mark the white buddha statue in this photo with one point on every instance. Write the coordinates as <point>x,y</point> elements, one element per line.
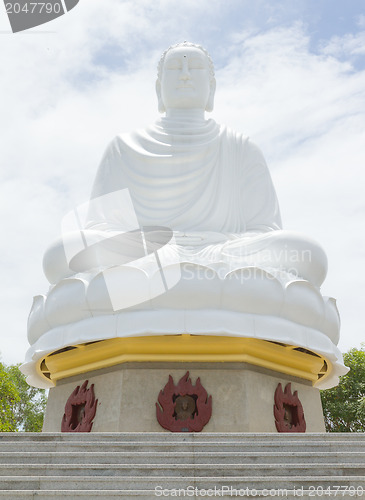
<point>207,183</point>
<point>182,235</point>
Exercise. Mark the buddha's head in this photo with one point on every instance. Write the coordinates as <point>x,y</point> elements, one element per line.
<point>185,78</point>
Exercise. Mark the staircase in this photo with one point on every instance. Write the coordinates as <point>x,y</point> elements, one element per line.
<point>145,466</point>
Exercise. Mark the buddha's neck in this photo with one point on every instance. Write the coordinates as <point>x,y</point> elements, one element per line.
<point>186,114</point>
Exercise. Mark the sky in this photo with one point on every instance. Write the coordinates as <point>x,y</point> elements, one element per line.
<point>290,75</point>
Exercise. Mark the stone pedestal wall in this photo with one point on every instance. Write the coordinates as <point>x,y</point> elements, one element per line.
<point>242,397</point>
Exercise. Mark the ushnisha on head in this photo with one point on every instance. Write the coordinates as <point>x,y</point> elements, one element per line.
<point>185,79</point>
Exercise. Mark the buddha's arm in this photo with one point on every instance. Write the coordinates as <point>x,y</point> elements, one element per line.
<point>108,196</point>
<point>102,220</point>
<point>258,196</point>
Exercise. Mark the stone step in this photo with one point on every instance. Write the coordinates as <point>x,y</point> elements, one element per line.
<point>181,457</point>
<point>190,469</point>
<point>132,465</point>
<point>162,437</point>
<point>201,446</point>
<point>86,494</point>
<point>151,482</point>
<point>151,494</point>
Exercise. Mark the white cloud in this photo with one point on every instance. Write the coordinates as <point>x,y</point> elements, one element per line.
<point>68,93</point>
<point>346,46</point>
<point>361,21</point>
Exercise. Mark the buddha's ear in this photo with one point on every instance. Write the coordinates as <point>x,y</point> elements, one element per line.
<point>161,106</point>
<point>210,103</point>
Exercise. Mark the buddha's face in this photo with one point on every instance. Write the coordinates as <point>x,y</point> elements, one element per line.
<point>185,81</point>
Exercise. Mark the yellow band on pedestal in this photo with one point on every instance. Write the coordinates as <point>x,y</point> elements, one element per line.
<point>288,359</point>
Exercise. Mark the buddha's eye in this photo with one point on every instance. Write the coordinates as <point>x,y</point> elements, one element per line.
<point>196,63</point>
<point>173,64</point>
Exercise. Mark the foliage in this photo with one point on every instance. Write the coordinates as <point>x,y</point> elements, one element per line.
<point>21,406</point>
<point>344,405</point>
<point>9,397</point>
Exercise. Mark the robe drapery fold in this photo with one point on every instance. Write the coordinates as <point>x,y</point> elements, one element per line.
<point>193,176</point>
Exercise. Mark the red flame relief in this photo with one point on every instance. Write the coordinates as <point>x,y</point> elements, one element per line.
<point>80,410</point>
<point>167,405</point>
<point>288,410</point>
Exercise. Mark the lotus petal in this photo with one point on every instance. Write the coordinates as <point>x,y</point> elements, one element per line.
<point>252,290</point>
<point>66,302</point>
<point>37,323</point>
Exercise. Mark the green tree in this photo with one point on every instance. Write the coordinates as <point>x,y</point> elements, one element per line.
<point>344,405</point>
<point>9,397</point>
<point>22,406</point>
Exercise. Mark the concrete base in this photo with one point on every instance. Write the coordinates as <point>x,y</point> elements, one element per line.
<point>243,397</point>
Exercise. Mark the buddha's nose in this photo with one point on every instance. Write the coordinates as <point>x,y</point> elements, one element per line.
<point>185,74</point>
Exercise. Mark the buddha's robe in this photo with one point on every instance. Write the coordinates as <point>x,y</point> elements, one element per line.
<point>207,184</point>
<point>194,177</point>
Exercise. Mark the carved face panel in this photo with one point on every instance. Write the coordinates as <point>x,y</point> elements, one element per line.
<point>185,81</point>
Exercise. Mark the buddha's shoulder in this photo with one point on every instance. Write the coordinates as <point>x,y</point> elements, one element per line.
<point>240,138</point>
<point>119,142</point>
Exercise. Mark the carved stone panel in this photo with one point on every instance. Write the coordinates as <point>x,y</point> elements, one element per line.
<point>80,410</point>
<point>288,410</point>
<point>183,407</point>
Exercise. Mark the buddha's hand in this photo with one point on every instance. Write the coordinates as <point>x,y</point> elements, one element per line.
<point>198,238</point>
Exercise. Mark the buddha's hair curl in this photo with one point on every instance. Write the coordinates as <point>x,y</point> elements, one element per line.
<point>186,44</point>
